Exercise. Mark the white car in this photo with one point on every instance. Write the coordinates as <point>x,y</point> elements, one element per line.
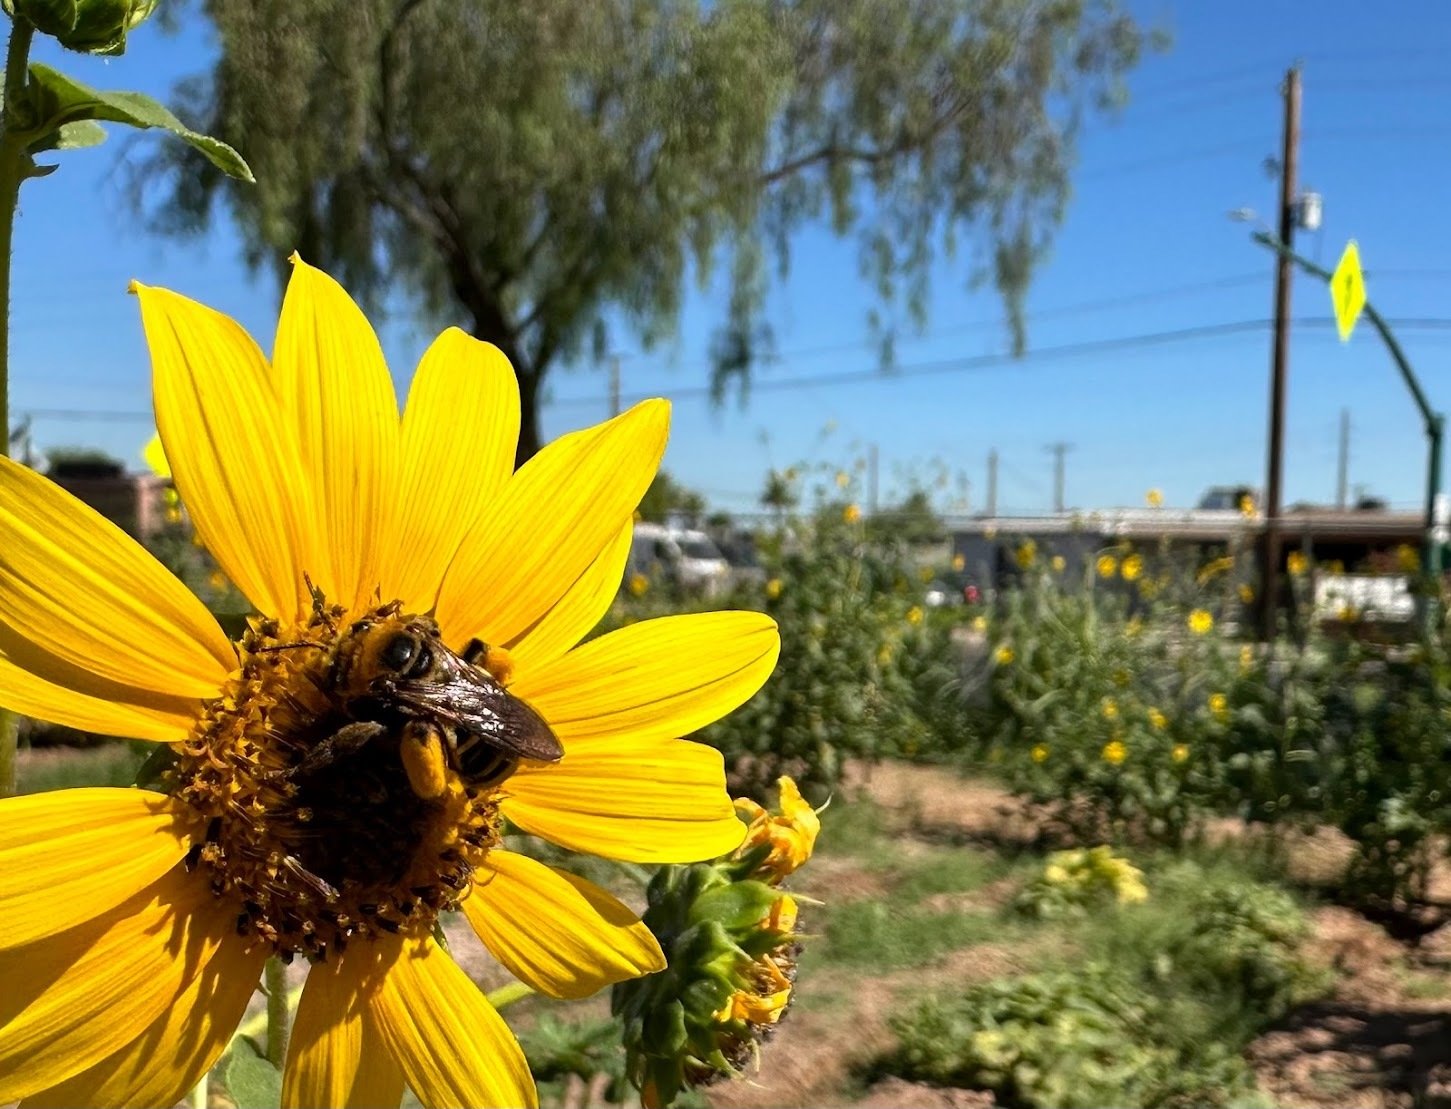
<point>685,556</point>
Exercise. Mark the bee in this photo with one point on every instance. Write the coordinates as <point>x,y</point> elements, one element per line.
<point>393,675</point>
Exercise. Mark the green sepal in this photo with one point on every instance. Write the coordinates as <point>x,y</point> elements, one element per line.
<point>56,100</point>
<point>735,907</point>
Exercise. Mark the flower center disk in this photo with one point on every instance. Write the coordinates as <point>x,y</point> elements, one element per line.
<point>312,828</point>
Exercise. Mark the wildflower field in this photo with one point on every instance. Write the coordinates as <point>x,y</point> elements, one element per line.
<point>1083,842</point>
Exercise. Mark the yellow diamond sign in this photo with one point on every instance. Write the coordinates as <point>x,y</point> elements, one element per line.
<point>1347,290</point>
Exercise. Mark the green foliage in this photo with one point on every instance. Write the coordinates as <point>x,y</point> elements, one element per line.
<point>1153,1009</point>
<point>841,604</point>
<point>251,1080</point>
<point>896,932</point>
<point>1106,707</point>
<point>607,151</point>
<point>1066,1040</point>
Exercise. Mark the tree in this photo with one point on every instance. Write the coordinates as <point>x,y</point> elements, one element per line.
<point>666,496</point>
<point>913,521</point>
<point>553,170</point>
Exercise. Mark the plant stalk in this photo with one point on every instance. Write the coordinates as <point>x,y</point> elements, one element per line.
<point>12,173</point>
<point>278,1012</point>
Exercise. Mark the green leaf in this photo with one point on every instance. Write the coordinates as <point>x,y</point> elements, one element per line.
<point>75,135</point>
<point>253,1082</point>
<point>60,100</point>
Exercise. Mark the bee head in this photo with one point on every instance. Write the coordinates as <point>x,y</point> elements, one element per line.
<point>376,651</point>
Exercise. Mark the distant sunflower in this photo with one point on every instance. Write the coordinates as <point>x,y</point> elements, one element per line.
<point>134,924</point>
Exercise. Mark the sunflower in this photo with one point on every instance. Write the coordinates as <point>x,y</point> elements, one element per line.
<point>134,923</point>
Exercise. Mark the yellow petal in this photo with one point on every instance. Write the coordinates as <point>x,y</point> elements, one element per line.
<point>453,1047</point>
<point>92,596</point>
<point>459,433</point>
<point>339,401</point>
<point>552,519</point>
<point>117,710</point>
<point>69,856</point>
<point>232,459</point>
<point>658,801</point>
<point>336,1056</point>
<point>170,1055</point>
<point>576,613</point>
<point>74,998</point>
<point>556,932</point>
<point>656,679</point>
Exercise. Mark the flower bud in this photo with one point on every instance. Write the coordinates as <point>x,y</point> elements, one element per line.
<point>730,940</point>
<point>87,26</point>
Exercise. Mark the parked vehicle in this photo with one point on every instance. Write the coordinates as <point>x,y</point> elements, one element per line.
<point>683,557</point>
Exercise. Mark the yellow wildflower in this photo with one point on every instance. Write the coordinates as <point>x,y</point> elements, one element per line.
<point>1247,506</point>
<point>979,624</point>
<point>1297,562</point>
<point>791,833</point>
<point>1246,593</point>
<point>1027,554</point>
<point>1109,708</point>
<point>1107,566</point>
<point>136,922</point>
<point>1157,720</point>
<point>773,588</point>
<point>851,513</point>
<point>639,585</point>
<point>1408,559</point>
<point>1246,658</point>
<point>1201,622</point>
<point>1180,752</point>
<point>1132,567</point>
<point>843,479</point>
<point>1039,753</point>
<point>1058,563</point>
<point>1154,498</point>
<point>1115,752</point>
<point>1004,655</point>
<point>217,580</point>
<point>1219,706</point>
<point>914,615</point>
<point>959,562</point>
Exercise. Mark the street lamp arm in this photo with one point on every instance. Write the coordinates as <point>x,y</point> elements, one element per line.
<point>1428,414</point>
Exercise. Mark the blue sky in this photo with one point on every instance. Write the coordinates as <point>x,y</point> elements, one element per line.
<point>1146,248</point>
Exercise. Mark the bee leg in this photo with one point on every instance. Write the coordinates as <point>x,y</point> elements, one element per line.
<point>421,750</point>
<point>344,741</point>
<point>474,652</point>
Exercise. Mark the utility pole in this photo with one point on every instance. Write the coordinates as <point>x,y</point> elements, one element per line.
<point>1058,450</point>
<point>614,385</point>
<point>992,482</point>
<point>872,480</point>
<point>1342,469</point>
<point>1270,540</point>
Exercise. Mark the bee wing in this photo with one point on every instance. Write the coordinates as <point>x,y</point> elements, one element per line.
<point>473,701</point>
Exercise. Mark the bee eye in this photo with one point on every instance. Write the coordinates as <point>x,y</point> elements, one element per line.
<point>398,652</point>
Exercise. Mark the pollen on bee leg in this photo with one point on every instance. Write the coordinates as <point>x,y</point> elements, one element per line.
<point>499,663</point>
<point>423,760</point>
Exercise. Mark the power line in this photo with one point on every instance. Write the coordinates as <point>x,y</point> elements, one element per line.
<point>914,370</point>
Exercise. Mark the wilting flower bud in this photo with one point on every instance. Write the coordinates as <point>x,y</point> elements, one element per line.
<point>730,939</point>
<point>89,26</point>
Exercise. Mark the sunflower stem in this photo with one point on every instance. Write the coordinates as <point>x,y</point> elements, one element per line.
<point>278,1011</point>
<point>505,996</point>
<point>13,170</point>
